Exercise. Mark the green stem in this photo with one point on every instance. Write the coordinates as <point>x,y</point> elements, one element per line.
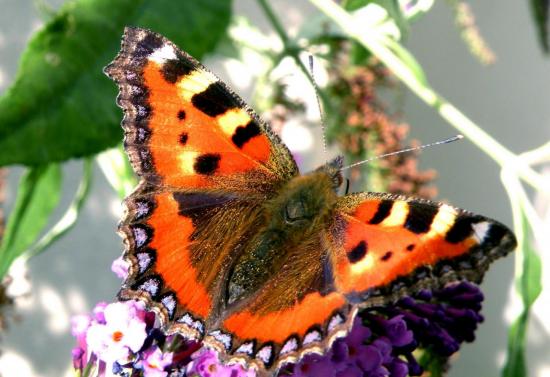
<point>374,42</point>
<point>290,47</point>
<point>274,21</point>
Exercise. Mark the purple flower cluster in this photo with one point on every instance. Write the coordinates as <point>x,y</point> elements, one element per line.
<point>381,348</point>
<point>363,352</point>
<point>122,339</point>
<point>382,340</point>
<point>442,319</point>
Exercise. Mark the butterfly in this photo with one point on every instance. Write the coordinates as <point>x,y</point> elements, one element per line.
<point>230,245</point>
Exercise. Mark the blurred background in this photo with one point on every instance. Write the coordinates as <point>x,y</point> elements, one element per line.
<point>509,99</point>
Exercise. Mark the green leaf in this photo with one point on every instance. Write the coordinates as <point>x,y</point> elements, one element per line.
<point>515,362</point>
<point>529,287</point>
<point>61,105</point>
<point>68,220</point>
<point>540,10</point>
<point>358,53</point>
<point>38,195</point>
<point>530,281</point>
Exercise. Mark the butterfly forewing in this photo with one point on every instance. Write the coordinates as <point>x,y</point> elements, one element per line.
<point>385,246</point>
<point>185,129</point>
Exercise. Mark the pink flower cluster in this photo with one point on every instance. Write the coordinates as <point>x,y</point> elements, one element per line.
<point>121,339</point>
<point>113,337</point>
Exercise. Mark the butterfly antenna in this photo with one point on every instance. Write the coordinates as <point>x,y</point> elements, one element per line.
<point>321,113</point>
<point>406,150</point>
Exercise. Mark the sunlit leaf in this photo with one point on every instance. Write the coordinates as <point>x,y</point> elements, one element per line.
<point>38,195</point>
<point>529,287</point>
<point>61,105</point>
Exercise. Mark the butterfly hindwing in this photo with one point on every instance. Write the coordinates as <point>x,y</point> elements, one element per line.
<point>296,312</point>
<point>386,245</point>
<point>185,129</point>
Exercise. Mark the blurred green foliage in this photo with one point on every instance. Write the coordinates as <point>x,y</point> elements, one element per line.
<point>540,9</point>
<point>61,104</point>
<point>38,196</point>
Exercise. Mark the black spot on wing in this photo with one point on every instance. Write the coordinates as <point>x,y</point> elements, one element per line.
<point>173,69</point>
<point>386,256</point>
<point>410,247</point>
<point>181,114</point>
<point>183,138</point>
<point>244,133</point>
<point>383,211</point>
<point>420,217</point>
<point>358,252</point>
<point>213,101</point>
<point>207,164</point>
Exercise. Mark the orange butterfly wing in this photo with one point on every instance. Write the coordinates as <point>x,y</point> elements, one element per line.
<point>205,160</point>
<point>296,312</point>
<point>184,128</point>
<point>387,245</point>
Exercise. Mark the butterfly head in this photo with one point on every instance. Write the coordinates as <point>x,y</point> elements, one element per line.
<point>333,169</point>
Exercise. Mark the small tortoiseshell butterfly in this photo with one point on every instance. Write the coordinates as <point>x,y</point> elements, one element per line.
<point>230,245</point>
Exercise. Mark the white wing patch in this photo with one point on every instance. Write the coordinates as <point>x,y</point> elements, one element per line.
<point>163,54</point>
<point>481,229</point>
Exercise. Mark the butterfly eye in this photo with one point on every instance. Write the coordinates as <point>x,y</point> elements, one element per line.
<point>295,210</point>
